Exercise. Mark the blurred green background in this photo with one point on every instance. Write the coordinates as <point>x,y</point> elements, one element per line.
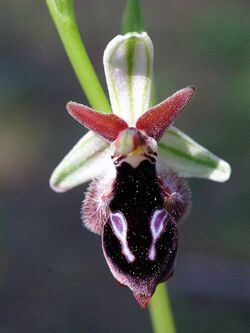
<point>53,274</point>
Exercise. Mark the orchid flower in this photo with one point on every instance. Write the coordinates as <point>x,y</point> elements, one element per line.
<point>138,161</point>
<point>129,78</point>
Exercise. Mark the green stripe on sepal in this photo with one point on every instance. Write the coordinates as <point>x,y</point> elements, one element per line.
<point>128,65</point>
<point>189,159</point>
<point>85,161</point>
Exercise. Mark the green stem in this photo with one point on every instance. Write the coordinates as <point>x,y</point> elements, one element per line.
<point>62,13</point>
<point>160,311</point>
<point>132,19</point>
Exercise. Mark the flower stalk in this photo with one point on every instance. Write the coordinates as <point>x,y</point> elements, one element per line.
<point>62,13</point>
<point>160,311</point>
<point>132,20</point>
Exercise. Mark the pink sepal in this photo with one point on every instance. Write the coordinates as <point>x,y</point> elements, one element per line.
<point>157,119</point>
<point>107,126</point>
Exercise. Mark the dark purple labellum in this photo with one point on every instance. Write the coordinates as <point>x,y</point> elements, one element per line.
<point>140,237</point>
<point>137,210</point>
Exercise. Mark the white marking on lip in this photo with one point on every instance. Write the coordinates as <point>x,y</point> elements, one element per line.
<point>157,225</point>
<point>120,228</point>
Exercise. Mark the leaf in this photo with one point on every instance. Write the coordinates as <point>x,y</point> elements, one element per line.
<point>128,65</point>
<point>189,159</point>
<point>85,161</point>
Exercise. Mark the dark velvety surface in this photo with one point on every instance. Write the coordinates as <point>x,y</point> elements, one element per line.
<point>137,194</point>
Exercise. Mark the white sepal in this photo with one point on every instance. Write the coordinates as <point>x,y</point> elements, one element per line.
<point>85,161</point>
<point>128,65</point>
<point>189,159</point>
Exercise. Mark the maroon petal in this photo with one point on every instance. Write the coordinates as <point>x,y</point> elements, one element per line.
<point>155,121</point>
<point>107,126</point>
